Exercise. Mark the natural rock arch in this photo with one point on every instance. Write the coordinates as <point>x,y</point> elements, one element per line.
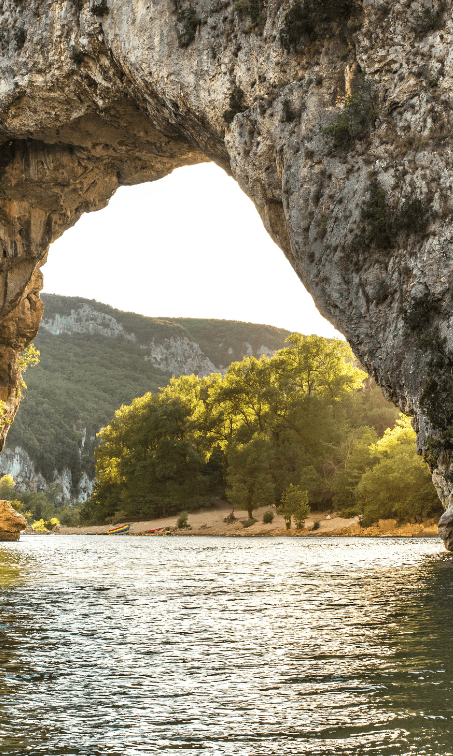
<point>94,95</point>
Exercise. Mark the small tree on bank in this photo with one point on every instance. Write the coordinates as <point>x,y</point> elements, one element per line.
<point>294,504</point>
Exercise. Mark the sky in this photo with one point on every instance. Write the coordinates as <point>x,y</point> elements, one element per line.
<point>190,245</point>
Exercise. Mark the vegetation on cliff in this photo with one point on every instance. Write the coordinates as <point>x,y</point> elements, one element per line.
<point>306,423</point>
<point>82,378</point>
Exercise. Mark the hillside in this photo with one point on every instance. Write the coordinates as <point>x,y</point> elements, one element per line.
<point>95,358</point>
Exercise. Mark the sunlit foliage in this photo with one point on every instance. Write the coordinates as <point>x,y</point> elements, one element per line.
<point>307,420</point>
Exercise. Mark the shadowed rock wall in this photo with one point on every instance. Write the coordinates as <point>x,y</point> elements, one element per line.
<point>94,95</point>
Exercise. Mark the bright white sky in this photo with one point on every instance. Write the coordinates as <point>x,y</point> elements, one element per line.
<point>190,245</point>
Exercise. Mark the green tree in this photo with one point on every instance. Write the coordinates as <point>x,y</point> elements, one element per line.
<point>399,485</point>
<point>249,480</point>
<point>294,503</point>
<point>6,487</point>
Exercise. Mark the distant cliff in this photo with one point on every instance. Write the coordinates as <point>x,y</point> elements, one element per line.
<point>95,358</point>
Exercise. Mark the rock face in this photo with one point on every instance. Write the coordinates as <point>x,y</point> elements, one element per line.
<point>446,528</point>
<point>11,522</point>
<point>333,117</point>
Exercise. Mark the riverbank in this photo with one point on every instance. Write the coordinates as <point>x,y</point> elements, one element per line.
<point>212,522</point>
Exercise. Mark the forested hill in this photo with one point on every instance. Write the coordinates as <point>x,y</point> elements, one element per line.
<point>95,358</point>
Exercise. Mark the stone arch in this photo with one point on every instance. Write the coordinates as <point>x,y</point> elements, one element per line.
<point>95,95</point>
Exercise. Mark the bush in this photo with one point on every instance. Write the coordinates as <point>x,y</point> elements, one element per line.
<point>316,525</point>
<point>305,15</point>
<point>236,104</point>
<point>181,522</point>
<point>428,20</point>
<point>19,37</point>
<point>100,9</point>
<point>249,522</point>
<point>187,17</point>
<point>77,56</point>
<point>268,517</point>
<point>356,117</point>
<point>420,312</point>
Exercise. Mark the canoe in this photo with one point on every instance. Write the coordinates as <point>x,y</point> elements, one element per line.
<point>155,530</point>
<point>119,531</point>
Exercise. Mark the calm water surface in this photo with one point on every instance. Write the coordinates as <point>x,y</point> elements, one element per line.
<point>241,646</point>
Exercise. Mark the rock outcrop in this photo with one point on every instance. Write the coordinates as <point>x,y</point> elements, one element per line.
<point>11,522</point>
<point>334,117</point>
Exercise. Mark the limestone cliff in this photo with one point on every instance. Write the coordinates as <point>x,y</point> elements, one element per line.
<point>334,117</point>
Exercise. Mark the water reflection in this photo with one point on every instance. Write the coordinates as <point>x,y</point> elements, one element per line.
<point>130,646</point>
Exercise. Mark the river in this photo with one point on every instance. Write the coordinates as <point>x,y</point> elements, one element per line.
<point>225,646</point>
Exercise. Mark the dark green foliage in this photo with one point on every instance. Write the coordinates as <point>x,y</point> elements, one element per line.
<point>414,217</point>
<point>20,35</point>
<point>381,224</point>
<point>268,517</point>
<point>189,21</point>
<point>288,114</point>
<point>316,525</point>
<point>382,292</point>
<point>421,311</point>
<point>251,8</point>
<point>77,56</point>
<point>236,104</point>
<point>248,523</point>
<point>429,20</point>
<point>100,9</point>
<point>377,220</point>
<point>306,15</point>
<point>355,119</point>
<point>181,522</point>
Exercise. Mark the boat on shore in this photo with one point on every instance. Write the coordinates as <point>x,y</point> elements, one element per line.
<point>122,530</point>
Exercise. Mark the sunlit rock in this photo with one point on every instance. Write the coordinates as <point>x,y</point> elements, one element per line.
<point>11,522</point>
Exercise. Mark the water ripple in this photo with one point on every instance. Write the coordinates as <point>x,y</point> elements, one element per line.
<point>126,646</point>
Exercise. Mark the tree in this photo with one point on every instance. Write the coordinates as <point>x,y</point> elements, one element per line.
<point>249,480</point>
<point>294,503</point>
<point>6,487</point>
<point>399,484</point>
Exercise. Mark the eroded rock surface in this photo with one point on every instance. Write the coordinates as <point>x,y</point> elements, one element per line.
<point>95,95</point>
<point>11,522</point>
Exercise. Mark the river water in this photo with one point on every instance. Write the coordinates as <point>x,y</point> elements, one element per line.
<point>225,646</point>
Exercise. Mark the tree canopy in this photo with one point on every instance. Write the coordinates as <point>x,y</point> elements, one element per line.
<point>305,424</point>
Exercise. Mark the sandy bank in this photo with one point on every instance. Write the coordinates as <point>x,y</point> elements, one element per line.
<point>211,522</point>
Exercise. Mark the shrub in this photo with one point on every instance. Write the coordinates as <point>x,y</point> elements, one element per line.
<point>100,9</point>
<point>268,517</point>
<point>356,117</point>
<point>382,292</point>
<point>181,522</point>
<point>316,525</point>
<point>428,20</point>
<point>248,523</point>
<point>381,224</point>
<point>414,217</point>
<point>288,114</point>
<point>377,219</point>
<point>77,57</point>
<point>420,312</point>
<point>20,35</point>
<point>189,20</point>
<point>236,104</point>
<point>251,8</point>
<point>305,15</point>
<point>52,523</point>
